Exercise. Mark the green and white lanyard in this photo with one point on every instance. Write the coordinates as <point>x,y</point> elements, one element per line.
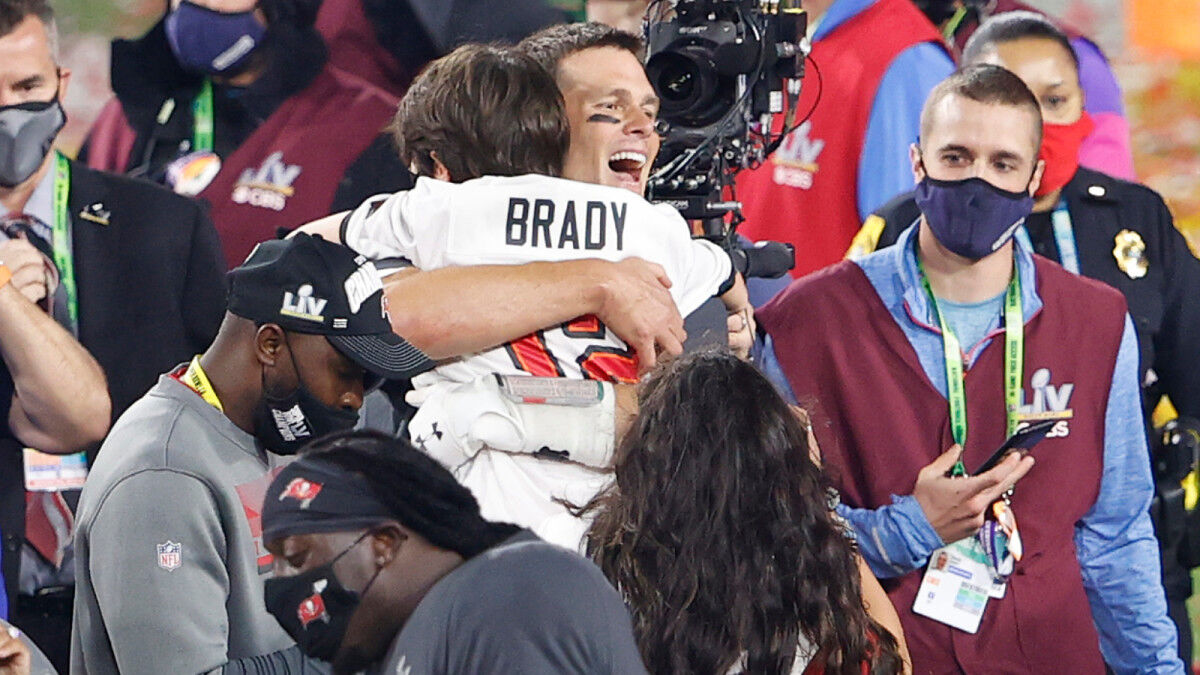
<point>1014,356</point>
<point>202,116</point>
<point>63,248</point>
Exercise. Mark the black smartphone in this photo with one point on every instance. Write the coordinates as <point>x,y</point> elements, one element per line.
<point>1024,439</point>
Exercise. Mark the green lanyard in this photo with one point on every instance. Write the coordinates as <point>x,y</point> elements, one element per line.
<point>953,24</point>
<point>1014,356</point>
<point>202,115</point>
<point>63,254</point>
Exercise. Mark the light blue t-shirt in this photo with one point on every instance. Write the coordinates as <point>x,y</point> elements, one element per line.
<point>971,321</point>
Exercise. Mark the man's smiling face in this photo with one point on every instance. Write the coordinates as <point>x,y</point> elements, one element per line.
<point>612,109</point>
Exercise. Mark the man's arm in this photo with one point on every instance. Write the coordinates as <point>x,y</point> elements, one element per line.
<point>290,661</point>
<point>741,325</point>
<point>60,401</point>
<point>156,619</point>
<point>897,538</point>
<point>453,311</point>
<point>1177,344</point>
<point>884,169</point>
<point>204,287</point>
<point>1115,542</point>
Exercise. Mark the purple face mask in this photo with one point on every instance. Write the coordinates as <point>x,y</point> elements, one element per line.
<point>971,217</point>
<point>211,42</point>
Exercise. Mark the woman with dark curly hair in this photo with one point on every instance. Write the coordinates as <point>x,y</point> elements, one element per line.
<point>720,535</point>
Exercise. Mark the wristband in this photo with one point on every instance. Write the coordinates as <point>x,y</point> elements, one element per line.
<point>5,275</point>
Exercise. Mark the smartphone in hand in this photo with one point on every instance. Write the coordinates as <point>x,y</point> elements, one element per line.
<point>1024,439</point>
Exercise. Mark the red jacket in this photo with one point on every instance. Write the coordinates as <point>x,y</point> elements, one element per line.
<point>806,192</point>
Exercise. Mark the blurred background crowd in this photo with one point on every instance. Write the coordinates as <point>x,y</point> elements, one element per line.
<point>1151,44</point>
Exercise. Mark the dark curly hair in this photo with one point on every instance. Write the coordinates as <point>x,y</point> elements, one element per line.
<point>719,534</point>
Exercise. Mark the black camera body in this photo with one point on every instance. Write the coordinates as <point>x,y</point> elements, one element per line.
<point>722,69</point>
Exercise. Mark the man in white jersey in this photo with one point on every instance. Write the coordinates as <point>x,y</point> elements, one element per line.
<point>514,220</point>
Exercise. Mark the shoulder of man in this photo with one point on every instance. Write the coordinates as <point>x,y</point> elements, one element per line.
<point>161,430</point>
<point>532,606</point>
<point>883,227</point>
<point>1074,290</point>
<point>835,288</point>
<point>525,576</point>
<point>101,196</point>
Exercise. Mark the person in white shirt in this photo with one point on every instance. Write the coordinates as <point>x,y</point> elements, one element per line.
<point>489,123</point>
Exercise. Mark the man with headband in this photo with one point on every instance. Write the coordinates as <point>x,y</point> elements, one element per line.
<point>170,557</point>
<point>382,558</point>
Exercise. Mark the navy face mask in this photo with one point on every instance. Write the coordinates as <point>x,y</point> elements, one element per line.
<point>210,42</point>
<point>971,217</point>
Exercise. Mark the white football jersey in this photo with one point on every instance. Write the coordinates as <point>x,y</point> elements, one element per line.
<point>515,220</point>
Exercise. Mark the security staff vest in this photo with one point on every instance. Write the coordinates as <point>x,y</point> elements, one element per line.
<point>806,192</point>
<point>879,420</point>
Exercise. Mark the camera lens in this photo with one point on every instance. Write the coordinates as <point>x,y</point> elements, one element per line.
<point>689,85</point>
<point>678,85</point>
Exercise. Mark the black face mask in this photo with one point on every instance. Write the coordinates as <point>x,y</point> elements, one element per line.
<point>284,424</point>
<point>314,608</point>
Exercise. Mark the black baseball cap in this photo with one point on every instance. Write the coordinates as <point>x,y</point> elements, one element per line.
<point>308,285</point>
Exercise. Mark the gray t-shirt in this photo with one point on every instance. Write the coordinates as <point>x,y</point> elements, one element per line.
<point>525,606</point>
<point>168,544</point>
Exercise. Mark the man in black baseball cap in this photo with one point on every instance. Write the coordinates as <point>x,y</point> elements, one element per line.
<point>170,558</point>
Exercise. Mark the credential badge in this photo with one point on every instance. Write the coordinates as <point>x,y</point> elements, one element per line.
<point>1130,252</point>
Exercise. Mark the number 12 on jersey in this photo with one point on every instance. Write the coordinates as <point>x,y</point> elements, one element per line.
<point>599,360</point>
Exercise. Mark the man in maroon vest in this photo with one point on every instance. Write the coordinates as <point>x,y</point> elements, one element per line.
<point>875,61</point>
<point>235,102</point>
<point>956,337</point>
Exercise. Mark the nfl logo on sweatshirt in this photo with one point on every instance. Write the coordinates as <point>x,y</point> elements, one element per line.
<point>170,555</point>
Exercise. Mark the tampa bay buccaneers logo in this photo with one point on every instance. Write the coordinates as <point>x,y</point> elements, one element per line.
<point>312,608</point>
<point>302,490</point>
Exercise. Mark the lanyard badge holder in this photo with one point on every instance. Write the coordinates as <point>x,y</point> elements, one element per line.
<point>964,575</point>
<point>1001,542</point>
<point>45,472</point>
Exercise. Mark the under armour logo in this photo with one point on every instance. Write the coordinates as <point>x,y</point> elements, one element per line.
<point>434,432</point>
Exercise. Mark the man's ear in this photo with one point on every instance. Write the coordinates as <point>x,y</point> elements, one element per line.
<point>440,172</point>
<point>268,344</point>
<point>386,541</point>
<point>1036,180</point>
<point>918,166</point>
<point>64,78</point>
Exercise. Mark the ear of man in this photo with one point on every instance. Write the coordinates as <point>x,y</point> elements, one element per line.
<point>268,344</point>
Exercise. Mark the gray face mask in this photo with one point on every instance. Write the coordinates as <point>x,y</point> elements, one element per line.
<point>27,131</point>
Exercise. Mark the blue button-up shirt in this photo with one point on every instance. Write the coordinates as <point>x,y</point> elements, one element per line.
<point>1114,541</point>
